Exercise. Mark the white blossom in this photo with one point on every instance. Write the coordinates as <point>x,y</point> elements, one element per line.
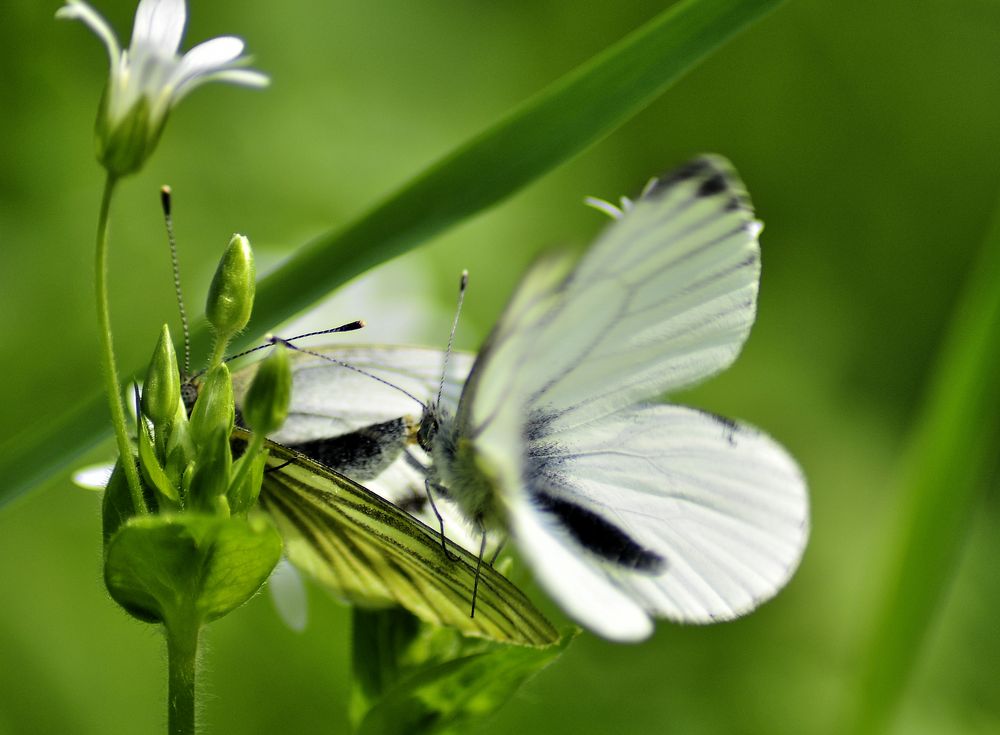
<point>149,77</point>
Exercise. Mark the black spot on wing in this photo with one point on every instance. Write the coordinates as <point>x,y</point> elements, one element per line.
<point>363,454</point>
<point>716,177</point>
<point>690,170</point>
<point>599,535</point>
<point>715,184</point>
<point>730,429</point>
<point>537,425</point>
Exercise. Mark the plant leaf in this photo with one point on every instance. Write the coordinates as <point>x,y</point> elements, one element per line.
<point>952,454</point>
<point>418,679</point>
<point>188,566</point>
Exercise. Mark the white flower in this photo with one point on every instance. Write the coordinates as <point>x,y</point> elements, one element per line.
<point>150,77</point>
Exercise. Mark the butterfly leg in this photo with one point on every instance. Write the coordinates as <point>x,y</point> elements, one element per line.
<point>430,497</point>
<point>479,565</point>
<point>497,550</point>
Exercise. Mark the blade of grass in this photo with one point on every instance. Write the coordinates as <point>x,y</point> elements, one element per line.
<point>558,123</point>
<point>951,456</point>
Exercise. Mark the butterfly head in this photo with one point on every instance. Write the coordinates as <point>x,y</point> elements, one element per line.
<point>430,424</point>
<point>189,394</point>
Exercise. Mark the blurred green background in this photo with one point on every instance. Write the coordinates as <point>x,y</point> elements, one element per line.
<point>867,135</point>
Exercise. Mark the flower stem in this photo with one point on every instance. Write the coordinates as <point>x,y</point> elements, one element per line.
<point>110,370</point>
<point>182,656</point>
<point>218,352</point>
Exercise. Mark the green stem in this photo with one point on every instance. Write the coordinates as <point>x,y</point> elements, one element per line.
<point>218,352</point>
<point>110,369</point>
<point>182,656</point>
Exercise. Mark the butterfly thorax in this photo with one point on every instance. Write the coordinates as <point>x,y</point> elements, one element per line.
<point>456,470</point>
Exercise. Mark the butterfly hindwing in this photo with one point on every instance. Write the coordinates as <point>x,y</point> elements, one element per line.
<point>721,504</point>
<point>370,552</point>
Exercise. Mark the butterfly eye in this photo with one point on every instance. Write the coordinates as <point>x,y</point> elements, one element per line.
<point>428,430</point>
<point>189,394</point>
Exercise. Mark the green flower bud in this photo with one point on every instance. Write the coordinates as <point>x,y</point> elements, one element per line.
<point>214,410</point>
<point>162,389</point>
<point>212,472</point>
<point>230,297</point>
<point>266,404</point>
<point>180,449</point>
<point>248,476</point>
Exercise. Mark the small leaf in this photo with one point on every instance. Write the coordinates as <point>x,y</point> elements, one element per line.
<point>190,566</point>
<point>117,506</point>
<point>152,472</point>
<point>417,679</point>
<point>380,639</point>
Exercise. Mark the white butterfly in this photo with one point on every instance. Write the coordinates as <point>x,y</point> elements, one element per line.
<point>366,429</point>
<point>626,511</point>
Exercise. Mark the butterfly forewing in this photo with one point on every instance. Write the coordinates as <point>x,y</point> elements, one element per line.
<point>329,399</point>
<point>664,298</point>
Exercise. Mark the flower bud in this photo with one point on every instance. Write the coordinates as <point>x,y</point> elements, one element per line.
<point>214,410</point>
<point>212,472</point>
<point>230,297</point>
<point>162,389</point>
<point>266,404</point>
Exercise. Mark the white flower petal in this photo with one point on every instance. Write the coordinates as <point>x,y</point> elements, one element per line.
<point>603,206</point>
<point>93,477</point>
<point>160,24</point>
<point>77,10</point>
<point>242,77</point>
<point>207,57</point>
<point>288,592</point>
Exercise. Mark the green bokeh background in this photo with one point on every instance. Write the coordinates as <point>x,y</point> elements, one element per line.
<point>867,134</point>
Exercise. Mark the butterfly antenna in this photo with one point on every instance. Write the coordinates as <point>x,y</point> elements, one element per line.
<point>166,204</point>
<point>451,338</point>
<point>335,361</point>
<point>349,327</point>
